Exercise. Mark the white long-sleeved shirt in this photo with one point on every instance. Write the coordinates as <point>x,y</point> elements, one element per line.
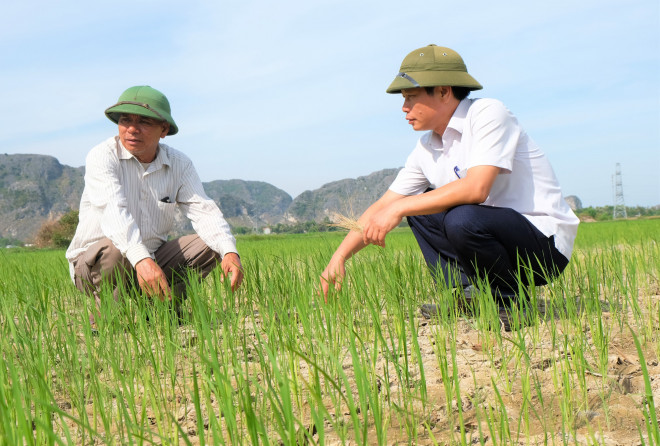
<point>135,207</point>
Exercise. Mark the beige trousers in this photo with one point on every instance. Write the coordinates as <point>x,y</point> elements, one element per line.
<point>103,265</point>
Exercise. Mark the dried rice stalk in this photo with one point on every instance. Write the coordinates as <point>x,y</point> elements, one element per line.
<point>344,222</point>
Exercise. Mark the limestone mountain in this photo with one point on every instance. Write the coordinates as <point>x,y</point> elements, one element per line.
<point>249,203</point>
<point>37,188</point>
<point>574,202</point>
<point>33,189</point>
<point>350,197</point>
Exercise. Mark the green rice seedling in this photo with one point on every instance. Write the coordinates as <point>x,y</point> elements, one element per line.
<point>216,374</point>
<point>318,411</point>
<point>567,406</point>
<point>448,366</point>
<point>499,421</point>
<point>459,401</point>
<point>367,341</point>
<point>276,362</point>
<point>601,337</point>
<point>317,391</point>
<point>280,399</point>
<point>366,384</point>
<point>526,377</point>
<point>650,417</point>
<point>16,415</point>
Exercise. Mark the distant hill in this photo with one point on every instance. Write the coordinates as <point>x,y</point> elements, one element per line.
<point>33,189</point>
<point>574,202</point>
<point>245,203</point>
<point>350,197</point>
<point>37,188</point>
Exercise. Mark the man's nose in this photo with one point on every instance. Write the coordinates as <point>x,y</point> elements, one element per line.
<point>132,127</point>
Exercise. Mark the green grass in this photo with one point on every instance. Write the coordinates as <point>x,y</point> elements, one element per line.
<point>276,364</point>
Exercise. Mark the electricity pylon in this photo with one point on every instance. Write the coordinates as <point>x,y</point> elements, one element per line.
<point>619,204</point>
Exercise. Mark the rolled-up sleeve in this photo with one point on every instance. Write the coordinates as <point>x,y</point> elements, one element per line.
<point>206,218</point>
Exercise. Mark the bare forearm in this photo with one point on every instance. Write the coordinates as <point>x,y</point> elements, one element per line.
<point>473,189</point>
<point>334,273</point>
<point>351,244</point>
<point>354,242</point>
<point>432,202</point>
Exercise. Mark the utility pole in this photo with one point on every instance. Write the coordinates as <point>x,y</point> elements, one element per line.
<point>619,203</point>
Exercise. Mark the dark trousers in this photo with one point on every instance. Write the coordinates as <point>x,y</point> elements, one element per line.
<point>473,242</point>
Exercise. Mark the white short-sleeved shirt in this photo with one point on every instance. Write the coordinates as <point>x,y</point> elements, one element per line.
<point>484,132</point>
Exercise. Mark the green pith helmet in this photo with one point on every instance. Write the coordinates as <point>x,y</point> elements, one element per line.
<point>143,101</point>
<point>433,66</point>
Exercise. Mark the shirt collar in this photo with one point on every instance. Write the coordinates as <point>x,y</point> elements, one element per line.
<point>163,155</point>
<point>458,118</point>
<point>122,152</point>
<point>432,141</point>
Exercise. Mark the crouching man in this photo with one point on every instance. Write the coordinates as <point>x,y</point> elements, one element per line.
<point>479,195</point>
<point>133,185</point>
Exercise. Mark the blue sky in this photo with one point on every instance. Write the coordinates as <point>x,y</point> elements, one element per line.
<point>293,92</point>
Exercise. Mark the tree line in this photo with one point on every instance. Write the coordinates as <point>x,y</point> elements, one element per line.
<point>605,213</point>
<point>58,233</point>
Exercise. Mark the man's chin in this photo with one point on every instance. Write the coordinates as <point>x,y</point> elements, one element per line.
<point>415,125</point>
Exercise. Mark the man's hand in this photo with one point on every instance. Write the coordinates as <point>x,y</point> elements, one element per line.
<point>380,224</point>
<point>333,274</point>
<point>231,265</point>
<point>152,280</point>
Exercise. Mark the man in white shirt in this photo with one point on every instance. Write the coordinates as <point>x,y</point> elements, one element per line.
<point>133,185</point>
<point>478,193</point>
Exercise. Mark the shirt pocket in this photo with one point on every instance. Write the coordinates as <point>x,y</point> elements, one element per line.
<point>164,218</point>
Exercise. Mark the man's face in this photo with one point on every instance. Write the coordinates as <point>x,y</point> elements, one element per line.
<point>424,111</point>
<point>140,135</point>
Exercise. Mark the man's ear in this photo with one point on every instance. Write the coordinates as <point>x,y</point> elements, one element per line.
<point>443,91</point>
<point>166,129</point>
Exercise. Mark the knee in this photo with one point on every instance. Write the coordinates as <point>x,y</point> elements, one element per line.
<point>207,255</point>
<point>430,222</point>
<point>111,260</point>
<point>415,221</point>
<point>462,222</point>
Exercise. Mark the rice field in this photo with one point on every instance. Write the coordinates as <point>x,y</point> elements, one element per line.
<point>276,364</point>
